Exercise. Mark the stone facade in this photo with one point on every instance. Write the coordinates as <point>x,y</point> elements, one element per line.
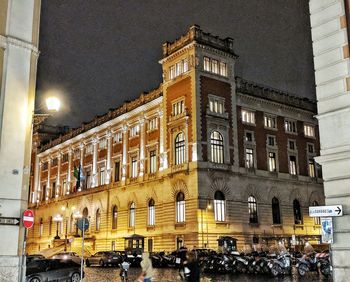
<point>330,27</point>
<point>198,184</point>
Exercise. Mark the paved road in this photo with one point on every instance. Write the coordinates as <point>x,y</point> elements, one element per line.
<point>111,274</point>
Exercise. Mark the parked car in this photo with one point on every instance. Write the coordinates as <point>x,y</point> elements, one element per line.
<point>30,258</point>
<point>68,255</point>
<point>105,258</point>
<point>52,270</point>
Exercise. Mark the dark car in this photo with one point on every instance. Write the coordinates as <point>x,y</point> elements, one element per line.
<point>52,270</point>
<point>68,255</point>
<point>105,258</point>
<point>30,258</point>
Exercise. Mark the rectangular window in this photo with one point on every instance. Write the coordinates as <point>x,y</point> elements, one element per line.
<point>223,69</point>
<point>118,137</point>
<point>215,66</point>
<point>178,69</point>
<point>172,72</point>
<point>206,64</point>
<point>309,130</point>
<point>270,122</point>
<point>65,158</point>
<point>291,145</point>
<point>310,148</point>
<point>102,144</point>
<point>45,166</point>
<point>152,124</point>
<point>134,131</point>
<point>178,108</point>
<point>216,105</point>
<point>292,165</point>
<point>88,149</point>
<point>249,158</point>
<point>151,215</point>
<point>180,211</point>
<point>76,153</point>
<point>54,162</point>
<point>88,179</point>
<point>185,65</point>
<point>272,161</point>
<point>271,141</point>
<point>152,162</point>
<point>311,165</point>
<point>248,116</point>
<point>53,190</point>
<point>290,126</point>
<point>102,176</point>
<point>64,188</point>
<point>116,171</point>
<point>133,167</point>
<point>249,137</point>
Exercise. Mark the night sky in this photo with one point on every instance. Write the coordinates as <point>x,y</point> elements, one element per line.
<point>97,54</point>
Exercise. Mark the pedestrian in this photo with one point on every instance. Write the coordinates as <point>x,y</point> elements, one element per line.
<point>193,266</point>
<point>147,269</point>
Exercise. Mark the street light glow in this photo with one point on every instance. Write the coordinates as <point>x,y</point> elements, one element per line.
<point>53,104</point>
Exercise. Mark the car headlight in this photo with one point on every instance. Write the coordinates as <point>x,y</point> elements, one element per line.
<point>65,257</point>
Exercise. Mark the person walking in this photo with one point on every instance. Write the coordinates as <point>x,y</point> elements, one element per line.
<point>193,267</point>
<point>147,269</point>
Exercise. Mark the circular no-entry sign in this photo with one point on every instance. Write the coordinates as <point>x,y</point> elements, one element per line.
<point>28,218</point>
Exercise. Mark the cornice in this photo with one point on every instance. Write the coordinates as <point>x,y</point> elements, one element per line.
<point>5,41</point>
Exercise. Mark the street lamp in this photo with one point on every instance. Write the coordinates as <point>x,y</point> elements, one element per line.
<point>52,104</point>
<point>65,210</point>
<point>57,218</point>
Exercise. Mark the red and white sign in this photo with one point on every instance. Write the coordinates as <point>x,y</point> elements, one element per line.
<point>28,218</point>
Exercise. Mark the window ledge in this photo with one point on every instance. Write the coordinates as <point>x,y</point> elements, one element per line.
<point>280,225</point>
<point>152,130</point>
<point>180,225</point>
<point>299,226</point>
<point>270,128</point>
<point>254,224</point>
<point>221,223</point>
<point>248,123</point>
<point>131,229</point>
<point>151,227</point>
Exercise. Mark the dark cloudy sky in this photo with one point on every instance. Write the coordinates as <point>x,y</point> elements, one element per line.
<point>100,53</point>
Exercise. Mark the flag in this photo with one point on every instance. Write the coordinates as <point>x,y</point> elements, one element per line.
<point>77,176</point>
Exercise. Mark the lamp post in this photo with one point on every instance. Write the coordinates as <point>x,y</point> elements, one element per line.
<point>65,210</point>
<point>57,218</point>
<point>208,207</point>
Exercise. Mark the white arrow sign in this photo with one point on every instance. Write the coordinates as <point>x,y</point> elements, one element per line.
<point>324,211</point>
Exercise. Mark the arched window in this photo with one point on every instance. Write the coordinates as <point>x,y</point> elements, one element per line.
<point>50,225</point>
<point>219,206</point>
<point>180,207</point>
<point>151,212</point>
<point>217,147</point>
<point>132,215</point>
<point>98,220</point>
<point>253,210</point>
<point>276,215</point>
<point>317,220</point>
<point>297,212</point>
<point>180,148</point>
<point>114,217</point>
<point>85,212</point>
<point>41,227</point>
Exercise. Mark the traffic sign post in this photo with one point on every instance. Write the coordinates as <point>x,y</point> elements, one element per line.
<point>83,225</point>
<point>326,211</point>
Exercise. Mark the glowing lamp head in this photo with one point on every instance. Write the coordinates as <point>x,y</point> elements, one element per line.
<point>53,104</point>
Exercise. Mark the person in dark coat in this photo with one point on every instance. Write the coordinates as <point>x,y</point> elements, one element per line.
<point>193,266</point>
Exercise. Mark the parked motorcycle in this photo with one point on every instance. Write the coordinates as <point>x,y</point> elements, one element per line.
<point>314,262</point>
<point>281,265</point>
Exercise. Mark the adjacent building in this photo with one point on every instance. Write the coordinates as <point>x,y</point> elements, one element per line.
<point>205,155</point>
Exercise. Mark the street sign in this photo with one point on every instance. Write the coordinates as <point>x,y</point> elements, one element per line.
<point>327,230</point>
<point>83,223</point>
<point>9,220</point>
<point>28,218</point>
<point>324,211</point>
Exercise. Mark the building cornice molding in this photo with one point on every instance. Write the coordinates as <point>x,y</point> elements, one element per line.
<point>5,41</point>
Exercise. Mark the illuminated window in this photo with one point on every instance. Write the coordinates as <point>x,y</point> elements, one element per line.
<point>178,69</point>
<point>223,69</point>
<point>219,206</point>
<point>133,167</point>
<point>102,144</point>
<point>215,66</point>
<point>216,105</point>
<point>206,64</point>
<point>290,126</point>
<point>102,176</point>
<point>180,207</point>
<point>311,168</point>
<point>118,137</point>
<point>134,131</point>
<point>114,217</point>
<point>248,116</point>
<point>309,130</point>
<point>249,158</point>
<point>272,161</point>
<point>297,212</point>
<point>152,124</point>
<point>180,148</point>
<point>132,215</point>
<point>253,210</point>
<point>292,165</point>
<point>152,161</point>
<point>88,149</point>
<point>178,108</point>
<point>270,122</point>
<point>216,147</point>
<point>151,212</point>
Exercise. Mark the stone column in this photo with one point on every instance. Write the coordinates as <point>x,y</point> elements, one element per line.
<point>109,156</point>
<point>48,182</point>
<point>330,32</point>
<point>163,160</point>
<point>58,179</point>
<point>142,146</point>
<point>69,172</point>
<point>94,163</point>
<point>36,185</point>
<point>187,159</point>
<point>125,153</point>
<point>81,161</point>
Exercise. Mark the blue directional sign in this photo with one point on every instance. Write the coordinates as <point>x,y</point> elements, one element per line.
<point>83,224</point>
